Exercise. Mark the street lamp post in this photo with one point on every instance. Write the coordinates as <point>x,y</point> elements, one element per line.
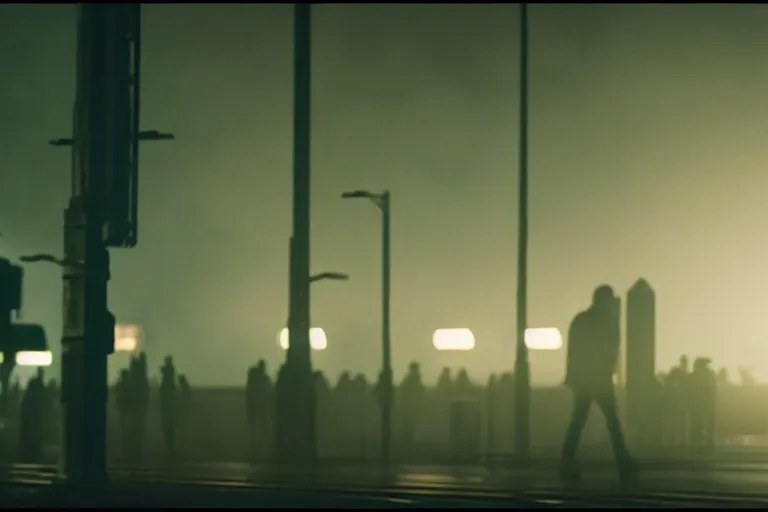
<point>522,368</point>
<point>295,401</point>
<point>316,278</point>
<point>382,201</point>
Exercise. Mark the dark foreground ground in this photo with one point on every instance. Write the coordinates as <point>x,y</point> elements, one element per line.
<point>157,495</point>
<point>327,486</point>
<point>179,495</point>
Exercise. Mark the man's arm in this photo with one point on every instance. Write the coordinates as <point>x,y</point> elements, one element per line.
<point>571,350</point>
<point>614,336</point>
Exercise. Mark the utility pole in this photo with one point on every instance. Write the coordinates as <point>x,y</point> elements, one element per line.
<point>522,368</point>
<point>102,213</point>
<point>386,389</point>
<point>296,406</point>
<point>386,348</point>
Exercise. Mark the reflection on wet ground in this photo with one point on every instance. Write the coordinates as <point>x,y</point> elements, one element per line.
<point>725,485</point>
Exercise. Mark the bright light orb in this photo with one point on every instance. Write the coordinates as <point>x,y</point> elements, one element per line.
<point>543,338</point>
<point>453,339</point>
<point>30,358</point>
<point>127,337</point>
<point>317,338</point>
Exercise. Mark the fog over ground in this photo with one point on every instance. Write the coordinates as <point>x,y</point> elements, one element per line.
<point>647,151</point>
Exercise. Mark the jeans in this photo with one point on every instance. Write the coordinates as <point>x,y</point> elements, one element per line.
<point>606,401</point>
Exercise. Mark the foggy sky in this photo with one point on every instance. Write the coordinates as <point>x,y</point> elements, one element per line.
<point>648,125</point>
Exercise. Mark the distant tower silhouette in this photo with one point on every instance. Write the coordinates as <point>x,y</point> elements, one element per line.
<point>640,357</point>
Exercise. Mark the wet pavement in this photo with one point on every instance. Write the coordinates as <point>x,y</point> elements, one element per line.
<point>723,487</point>
<point>178,495</point>
<point>142,495</point>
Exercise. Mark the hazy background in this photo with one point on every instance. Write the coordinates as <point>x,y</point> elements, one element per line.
<point>648,125</point>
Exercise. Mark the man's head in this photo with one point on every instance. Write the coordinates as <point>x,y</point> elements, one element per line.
<point>603,298</point>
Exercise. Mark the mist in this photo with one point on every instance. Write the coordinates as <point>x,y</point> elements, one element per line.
<point>646,154</point>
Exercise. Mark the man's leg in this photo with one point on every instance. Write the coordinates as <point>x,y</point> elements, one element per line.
<point>408,438</point>
<point>166,435</point>
<point>711,427</point>
<point>172,440</point>
<point>624,462</point>
<point>696,430</point>
<point>581,404</point>
<point>251,431</point>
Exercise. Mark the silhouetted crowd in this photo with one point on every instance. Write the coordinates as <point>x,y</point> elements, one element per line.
<point>37,409</point>
<point>688,405</point>
<point>34,412</point>
<point>348,412</point>
<point>132,398</point>
<point>687,418</point>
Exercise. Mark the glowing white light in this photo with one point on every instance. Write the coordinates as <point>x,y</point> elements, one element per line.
<point>34,358</point>
<point>317,339</point>
<point>127,337</point>
<point>543,338</point>
<point>453,339</point>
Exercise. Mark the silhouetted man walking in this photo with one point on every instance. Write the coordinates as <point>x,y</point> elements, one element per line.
<point>168,405</point>
<point>593,349</point>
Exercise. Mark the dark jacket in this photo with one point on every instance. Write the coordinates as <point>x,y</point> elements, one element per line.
<point>593,350</point>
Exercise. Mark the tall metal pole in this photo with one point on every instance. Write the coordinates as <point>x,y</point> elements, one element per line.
<point>296,407</point>
<point>86,272</point>
<point>299,347</point>
<point>386,351</point>
<point>102,213</point>
<point>522,369</point>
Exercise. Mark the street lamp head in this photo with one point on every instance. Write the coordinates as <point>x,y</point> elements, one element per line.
<point>336,276</point>
<point>357,194</point>
<point>35,258</point>
<point>152,135</point>
<point>331,276</point>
